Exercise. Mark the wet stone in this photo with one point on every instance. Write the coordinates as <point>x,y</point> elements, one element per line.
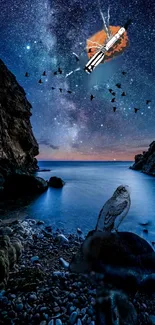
<point>56,309</point>
<point>58,322</point>
<point>73,317</point>
<point>79,322</point>
<point>71,309</point>
<point>32,297</point>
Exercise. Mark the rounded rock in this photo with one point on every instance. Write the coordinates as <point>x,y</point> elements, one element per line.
<point>79,322</point>
<point>58,321</point>
<point>32,297</point>
<point>34,259</point>
<point>73,317</point>
<point>19,307</point>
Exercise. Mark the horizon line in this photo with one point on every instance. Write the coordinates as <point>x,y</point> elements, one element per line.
<point>86,160</point>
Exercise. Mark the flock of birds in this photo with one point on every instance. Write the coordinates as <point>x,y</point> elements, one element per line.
<point>44,74</point>
<point>119,86</point>
<point>112,92</point>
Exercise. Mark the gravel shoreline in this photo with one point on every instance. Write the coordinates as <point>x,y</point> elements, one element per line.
<point>40,291</point>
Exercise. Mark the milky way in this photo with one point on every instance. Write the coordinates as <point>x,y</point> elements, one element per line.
<point>37,36</point>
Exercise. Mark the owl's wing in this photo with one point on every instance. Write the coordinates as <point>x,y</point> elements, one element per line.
<point>109,213</point>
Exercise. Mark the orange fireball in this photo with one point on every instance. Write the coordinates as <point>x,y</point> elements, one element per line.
<point>97,40</point>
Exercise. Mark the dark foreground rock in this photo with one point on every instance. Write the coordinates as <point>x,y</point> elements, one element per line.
<point>121,249</point>
<point>18,185</point>
<point>56,182</point>
<point>39,291</point>
<point>146,162</point>
<point>10,251</point>
<point>114,307</point>
<point>18,147</point>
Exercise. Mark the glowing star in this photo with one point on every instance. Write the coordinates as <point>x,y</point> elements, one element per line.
<point>28,47</point>
<point>102,47</point>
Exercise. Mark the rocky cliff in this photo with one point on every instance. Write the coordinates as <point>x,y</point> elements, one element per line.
<point>146,162</point>
<point>18,147</point>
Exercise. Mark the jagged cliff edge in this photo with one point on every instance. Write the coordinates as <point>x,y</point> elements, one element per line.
<point>146,162</point>
<point>18,146</point>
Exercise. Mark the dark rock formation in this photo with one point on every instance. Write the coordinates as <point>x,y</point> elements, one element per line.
<point>146,162</point>
<point>114,307</point>
<point>18,146</point>
<point>56,182</point>
<point>10,250</point>
<point>123,249</point>
<point>18,185</point>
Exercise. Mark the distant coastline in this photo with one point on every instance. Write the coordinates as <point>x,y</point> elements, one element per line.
<point>88,161</point>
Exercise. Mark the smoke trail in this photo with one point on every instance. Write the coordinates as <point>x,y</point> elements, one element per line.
<point>69,73</point>
<point>105,26</point>
<point>108,15</point>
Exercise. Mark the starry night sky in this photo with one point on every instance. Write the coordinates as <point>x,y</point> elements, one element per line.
<point>40,35</point>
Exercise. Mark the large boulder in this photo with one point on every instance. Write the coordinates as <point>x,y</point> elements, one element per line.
<point>123,249</point>
<point>56,182</point>
<point>18,146</point>
<point>18,185</point>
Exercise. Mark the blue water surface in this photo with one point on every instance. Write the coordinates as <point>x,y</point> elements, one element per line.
<point>88,186</point>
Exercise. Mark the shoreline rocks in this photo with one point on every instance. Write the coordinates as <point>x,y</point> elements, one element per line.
<point>17,185</point>
<point>146,162</point>
<point>41,291</point>
<point>122,249</point>
<point>56,182</point>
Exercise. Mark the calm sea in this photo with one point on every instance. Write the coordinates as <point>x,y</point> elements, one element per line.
<point>88,186</point>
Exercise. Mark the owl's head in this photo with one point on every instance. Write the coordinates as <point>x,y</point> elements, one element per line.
<point>123,191</point>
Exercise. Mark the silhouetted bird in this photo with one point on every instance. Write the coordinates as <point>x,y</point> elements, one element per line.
<point>44,73</point>
<point>60,90</point>
<point>124,73</point>
<point>114,109</point>
<point>113,100</point>
<point>148,101</point>
<point>55,73</point>
<point>53,88</point>
<point>123,94</point>
<point>113,93</point>
<point>92,97</point>
<point>118,85</point>
<point>40,81</point>
<point>136,110</point>
<point>110,90</point>
<point>26,74</point>
<point>60,71</point>
<point>69,91</point>
<point>116,207</point>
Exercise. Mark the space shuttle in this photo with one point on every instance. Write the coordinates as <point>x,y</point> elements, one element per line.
<point>99,56</point>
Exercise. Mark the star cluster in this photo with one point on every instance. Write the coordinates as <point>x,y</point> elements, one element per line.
<point>38,36</point>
